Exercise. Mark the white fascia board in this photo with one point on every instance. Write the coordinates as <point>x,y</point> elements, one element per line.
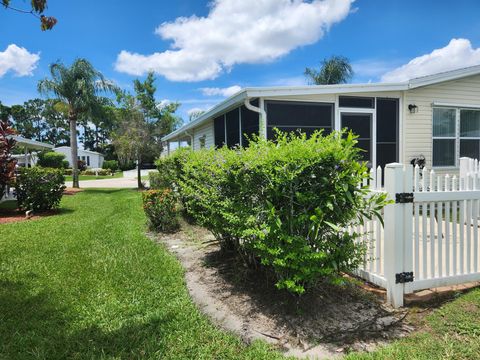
<point>225,105</point>
<point>325,89</point>
<point>445,76</point>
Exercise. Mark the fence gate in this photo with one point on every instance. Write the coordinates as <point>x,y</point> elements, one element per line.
<point>431,234</point>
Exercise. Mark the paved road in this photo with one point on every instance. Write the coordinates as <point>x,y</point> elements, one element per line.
<point>125,183</point>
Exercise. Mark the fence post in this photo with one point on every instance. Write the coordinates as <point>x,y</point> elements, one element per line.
<point>394,233</point>
<point>464,170</point>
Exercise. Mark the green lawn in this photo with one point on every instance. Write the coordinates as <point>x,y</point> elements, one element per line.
<point>88,284</point>
<point>93,177</point>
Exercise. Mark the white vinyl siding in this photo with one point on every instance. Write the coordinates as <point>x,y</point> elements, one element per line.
<point>203,130</point>
<point>418,127</point>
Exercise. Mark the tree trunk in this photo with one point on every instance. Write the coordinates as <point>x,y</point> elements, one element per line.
<point>139,173</point>
<point>74,147</point>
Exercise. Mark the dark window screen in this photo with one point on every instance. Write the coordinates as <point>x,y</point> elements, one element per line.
<point>233,128</point>
<point>298,116</point>
<point>361,125</point>
<point>356,102</point>
<point>219,129</point>
<point>250,124</point>
<point>387,130</point>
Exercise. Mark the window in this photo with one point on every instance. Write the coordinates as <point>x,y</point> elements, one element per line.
<point>444,136</point>
<point>470,133</point>
<point>356,102</point>
<point>250,123</point>
<point>88,160</point>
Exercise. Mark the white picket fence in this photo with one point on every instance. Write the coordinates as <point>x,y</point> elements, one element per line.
<point>431,232</point>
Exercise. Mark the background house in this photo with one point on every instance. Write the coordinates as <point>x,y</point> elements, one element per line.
<point>435,117</point>
<point>29,148</point>
<point>93,159</point>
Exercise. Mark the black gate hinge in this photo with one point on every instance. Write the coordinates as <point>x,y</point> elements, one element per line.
<point>404,277</point>
<point>404,198</point>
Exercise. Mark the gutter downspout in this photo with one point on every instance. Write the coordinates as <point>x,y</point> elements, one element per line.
<point>262,126</point>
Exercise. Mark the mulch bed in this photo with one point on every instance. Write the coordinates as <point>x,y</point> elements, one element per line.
<point>14,215</point>
<point>71,191</point>
<point>325,323</point>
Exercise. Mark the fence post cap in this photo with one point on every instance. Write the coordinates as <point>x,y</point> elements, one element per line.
<point>394,165</point>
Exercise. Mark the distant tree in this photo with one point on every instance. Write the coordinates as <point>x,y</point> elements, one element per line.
<point>335,70</point>
<point>57,127</point>
<point>195,114</point>
<point>77,87</point>
<point>98,125</point>
<point>37,9</point>
<point>142,123</point>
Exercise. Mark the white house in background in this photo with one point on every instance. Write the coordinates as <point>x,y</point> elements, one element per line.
<point>29,148</point>
<point>93,159</point>
<point>436,117</point>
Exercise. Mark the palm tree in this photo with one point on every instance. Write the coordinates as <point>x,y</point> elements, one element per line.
<point>335,70</point>
<point>78,87</point>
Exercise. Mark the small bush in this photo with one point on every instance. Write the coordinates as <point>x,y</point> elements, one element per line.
<point>68,172</point>
<point>161,210</point>
<point>52,159</point>
<point>98,172</point>
<point>284,204</point>
<point>111,165</point>
<point>65,164</point>
<point>82,165</point>
<point>39,188</point>
<point>156,181</point>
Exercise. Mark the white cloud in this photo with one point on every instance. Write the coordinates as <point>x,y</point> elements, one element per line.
<point>225,92</point>
<point>235,32</point>
<point>457,54</point>
<point>18,60</point>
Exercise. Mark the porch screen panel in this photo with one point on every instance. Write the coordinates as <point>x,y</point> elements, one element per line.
<point>387,131</point>
<point>250,123</point>
<point>232,122</point>
<point>356,102</point>
<point>219,130</point>
<point>361,125</point>
<point>299,116</point>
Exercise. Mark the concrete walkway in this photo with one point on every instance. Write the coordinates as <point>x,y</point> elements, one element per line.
<point>125,183</point>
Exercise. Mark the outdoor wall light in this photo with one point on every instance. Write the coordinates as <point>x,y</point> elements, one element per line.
<point>413,108</point>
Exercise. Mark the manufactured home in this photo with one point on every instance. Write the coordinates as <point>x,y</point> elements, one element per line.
<point>435,117</point>
<point>92,159</point>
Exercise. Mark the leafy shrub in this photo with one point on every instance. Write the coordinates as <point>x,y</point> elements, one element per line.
<point>169,169</point>
<point>111,165</point>
<point>68,172</point>
<point>161,210</point>
<point>98,172</point>
<point>51,159</point>
<point>82,165</point>
<point>39,188</point>
<point>284,204</point>
<point>65,164</point>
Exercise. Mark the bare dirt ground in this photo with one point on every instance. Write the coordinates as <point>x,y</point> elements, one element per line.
<point>328,322</point>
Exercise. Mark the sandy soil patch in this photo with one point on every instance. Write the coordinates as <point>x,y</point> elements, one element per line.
<point>328,322</point>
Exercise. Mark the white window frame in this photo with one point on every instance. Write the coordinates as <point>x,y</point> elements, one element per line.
<point>457,137</point>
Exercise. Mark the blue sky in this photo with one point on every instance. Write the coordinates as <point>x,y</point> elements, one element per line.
<point>265,42</point>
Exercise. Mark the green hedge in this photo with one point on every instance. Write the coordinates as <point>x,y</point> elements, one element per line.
<point>282,204</point>
<point>39,188</point>
<point>52,159</point>
<point>111,165</point>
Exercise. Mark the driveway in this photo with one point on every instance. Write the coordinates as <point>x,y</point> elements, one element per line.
<point>127,183</point>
